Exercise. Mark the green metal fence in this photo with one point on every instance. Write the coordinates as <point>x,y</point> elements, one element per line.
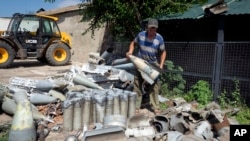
<point>219,64</point>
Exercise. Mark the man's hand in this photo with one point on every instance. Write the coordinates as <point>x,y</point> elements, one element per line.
<point>127,54</point>
<point>161,66</point>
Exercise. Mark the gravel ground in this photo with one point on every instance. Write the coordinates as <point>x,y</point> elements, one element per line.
<point>31,69</point>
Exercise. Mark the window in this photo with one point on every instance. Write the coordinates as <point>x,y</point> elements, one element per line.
<point>50,28</point>
<point>30,24</point>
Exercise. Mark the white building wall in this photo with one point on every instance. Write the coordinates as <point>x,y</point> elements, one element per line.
<point>4,22</point>
<point>82,44</point>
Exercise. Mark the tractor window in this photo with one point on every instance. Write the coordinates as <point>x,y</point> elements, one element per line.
<point>46,28</point>
<point>14,23</point>
<point>50,28</point>
<point>55,28</point>
<point>29,24</point>
<point>13,26</point>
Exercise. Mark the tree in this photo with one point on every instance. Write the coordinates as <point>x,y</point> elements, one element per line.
<point>125,17</point>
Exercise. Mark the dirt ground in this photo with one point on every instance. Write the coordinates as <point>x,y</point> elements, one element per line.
<point>31,69</point>
<point>34,70</point>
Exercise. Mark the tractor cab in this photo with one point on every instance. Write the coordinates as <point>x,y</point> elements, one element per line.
<point>33,31</point>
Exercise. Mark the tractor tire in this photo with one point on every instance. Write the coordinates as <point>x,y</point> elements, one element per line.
<point>7,55</point>
<point>58,54</point>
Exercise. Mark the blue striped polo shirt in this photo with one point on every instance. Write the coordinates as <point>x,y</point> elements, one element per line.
<point>149,49</point>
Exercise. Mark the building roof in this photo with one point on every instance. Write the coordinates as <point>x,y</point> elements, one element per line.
<point>60,10</point>
<point>232,7</point>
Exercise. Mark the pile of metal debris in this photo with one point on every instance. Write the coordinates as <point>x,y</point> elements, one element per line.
<point>97,102</point>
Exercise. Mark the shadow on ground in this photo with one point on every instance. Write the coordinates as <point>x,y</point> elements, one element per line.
<point>29,63</point>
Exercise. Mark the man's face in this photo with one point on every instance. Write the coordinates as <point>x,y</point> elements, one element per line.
<point>152,31</point>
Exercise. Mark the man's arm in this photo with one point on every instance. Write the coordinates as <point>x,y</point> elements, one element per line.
<point>163,58</point>
<point>131,49</point>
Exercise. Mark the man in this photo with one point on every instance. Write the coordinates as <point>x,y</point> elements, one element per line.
<point>151,48</point>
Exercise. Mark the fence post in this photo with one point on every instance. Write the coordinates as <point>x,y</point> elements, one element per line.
<point>218,59</point>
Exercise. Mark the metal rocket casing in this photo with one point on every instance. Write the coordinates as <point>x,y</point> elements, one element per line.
<point>9,106</point>
<point>126,66</point>
<point>86,110</point>
<point>77,115</point>
<point>22,127</point>
<point>109,105</point>
<point>116,108</point>
<point>38,116</point>
<point>59,84</point>
<point>96,61</point>
<point>124,104</point>
<point>147,71</point>
<point>124,76</point>
<point>131,103</point>
<point>57,94</point>
<point>101,101</point>
<point>120,61</point>
<point>36,98</point>
<point>20,95</point>
<point>106,55</point>
<point>45,85</point>
<point>68,113</point>
<point>93,111</point>
<point>82,80</point>
<point>94,58</point>
<point>74,88</point>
